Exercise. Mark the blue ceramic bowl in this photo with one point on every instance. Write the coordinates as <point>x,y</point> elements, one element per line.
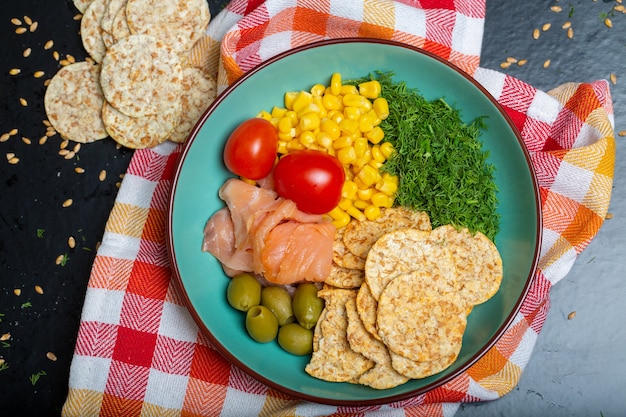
<point>201,172</point>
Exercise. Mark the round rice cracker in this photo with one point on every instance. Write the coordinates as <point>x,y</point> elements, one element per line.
<point>403,251</point>
<point>140,132</point>
<point>91,31</point>
<point>73,102</point>
<point>180,23</point>
<point>420,319</point>
<point>359,236</point>
<point>141,76</point>
<point>416,370</point>
<point>477,260</point>
<point>198,92</point>
<point>341,277</point>
<point>81,5</point>
<point>367,306</point>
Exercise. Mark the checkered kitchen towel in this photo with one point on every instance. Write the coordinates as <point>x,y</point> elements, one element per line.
<point>139,353</point>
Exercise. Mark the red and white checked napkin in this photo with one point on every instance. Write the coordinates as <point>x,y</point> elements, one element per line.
<point>138,351</point>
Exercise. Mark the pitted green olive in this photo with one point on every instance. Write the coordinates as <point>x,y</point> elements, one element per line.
<point>261,324</point>
<point>278,300</point>
<point>307,306</point>
<point>244,292</point>
<point>295,339</point>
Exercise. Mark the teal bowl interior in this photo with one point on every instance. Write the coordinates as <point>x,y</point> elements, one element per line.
<point>201,172</point>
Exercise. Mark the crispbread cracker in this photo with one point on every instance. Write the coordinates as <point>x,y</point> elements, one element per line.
<point>382,375</point>
<point>366,306</point>
<point>119,28</point>
<point>141,76</point>
<point>477,260</point>
<point>420,318</point>
<point>179,23</point>
<point>417,370</point>
<point>359,236</point>
<point>198,90</point>
<point>73,102</point>
<point>342,256</point>
<point>334,360</point>
<point>140,132</point>
<point>402,251</point>
<point>341,277</point>
<point>91,31</point>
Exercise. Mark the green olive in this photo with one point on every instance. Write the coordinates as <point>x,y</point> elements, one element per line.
<point>295,339</point>
<point>278,300</point>
<point>307,306</point>
<point>244,292</point>
<point>261,324</point>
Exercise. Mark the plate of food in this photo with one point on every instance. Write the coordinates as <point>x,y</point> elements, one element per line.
<point>377,190</point>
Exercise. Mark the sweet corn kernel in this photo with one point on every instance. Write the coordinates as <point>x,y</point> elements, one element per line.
<point>335,84</point>
<point>317,101</point>
<point>324,140</point>
<point>372,212</point>
<point>352,113</point>
<point>381,200</point>
<point>356,213</point>
<point>375,135</point>
<point>287,136</point>
<point>381,107</point>
<point>365,194</point>
<point>387,187</point>
<point>349,126</point>
<point>285,125</point>
<point>370,89</point>
<point>332,102</point>
<point>330,127</point>
<point>294,145</point>
<point>278,112</point>
<point>340,217</point>
<point>342,142</point>
<point>289,98</point>
<point>360,204</point>
<point>346,155</point>
<point>375,164</point>
<point>366,122</point>
<point>310,121</point>
<point>344,204</point>
<point>360,146</point>
<point>348,89</point>
<point>302,100</point>
<point>264,115</point>
<point>354,100</point>
<point>386,148</point>
<point>307,139</point>
<point>368,175</point>
<point>318,90</point>
<point>349,190</point>
<point>377,155</point>
<point>336,116</point>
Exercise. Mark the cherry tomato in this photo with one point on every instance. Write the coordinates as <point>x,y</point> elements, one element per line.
<point>250,150</point>
<point>312,179</point>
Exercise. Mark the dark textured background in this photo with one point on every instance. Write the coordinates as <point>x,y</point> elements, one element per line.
<point>577,368</point>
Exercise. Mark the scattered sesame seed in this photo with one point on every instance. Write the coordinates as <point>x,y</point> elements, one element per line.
<point>536,34</point>
<point>546,63</point>
<point>511,59</point>
<point>28,20</point>
<point>69,155</point>
<point>76,147</point>
<point>20,30</point>
<point>78,16</point>
<point>5,336</point>
<point>64,62</point>
<point>102,176</point>
<point>10,155</point>
<point>23,102</point>
<point>50,133</point>
<point>16,21</point>
<point>546,26</point>
<point>522,62</point>
<point>59,259</point>
<point>38,289</point>
<point>571,315</point>
<point>70,58</point>
<point>622,133</point>
<point>613,78</point>
<point>608,216</point>
<point>79,170</point>
<point>64,144</point>
<point>71,242</point>
<point>4,137</point>
<point>14,160</point>
<point>33,26</point>
<point>39,74</point>
<point>43,140</point>
<point>505,65</point>
<point>47,82</point>
<point>68,202</point>
<point>556,9</point>
<point>570,33</point>
<point>608,23</point>
<point>13,132</point>
<point>14,71</point>
<point>55,55</point>
<point>17,291</point>
<point>27,52</point>
<point>51,356</point>
<point>566,25</point>
<point>26,140</point>
<point>64,152</point>
<point>48,44</point>
<point>619,8</point>
<point>46,123</point>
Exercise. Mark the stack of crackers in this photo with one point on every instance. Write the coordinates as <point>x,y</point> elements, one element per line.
<point>137,85</point>
<point>398,298</point>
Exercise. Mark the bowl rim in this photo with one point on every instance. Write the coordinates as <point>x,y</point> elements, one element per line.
<point>233,360</point>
